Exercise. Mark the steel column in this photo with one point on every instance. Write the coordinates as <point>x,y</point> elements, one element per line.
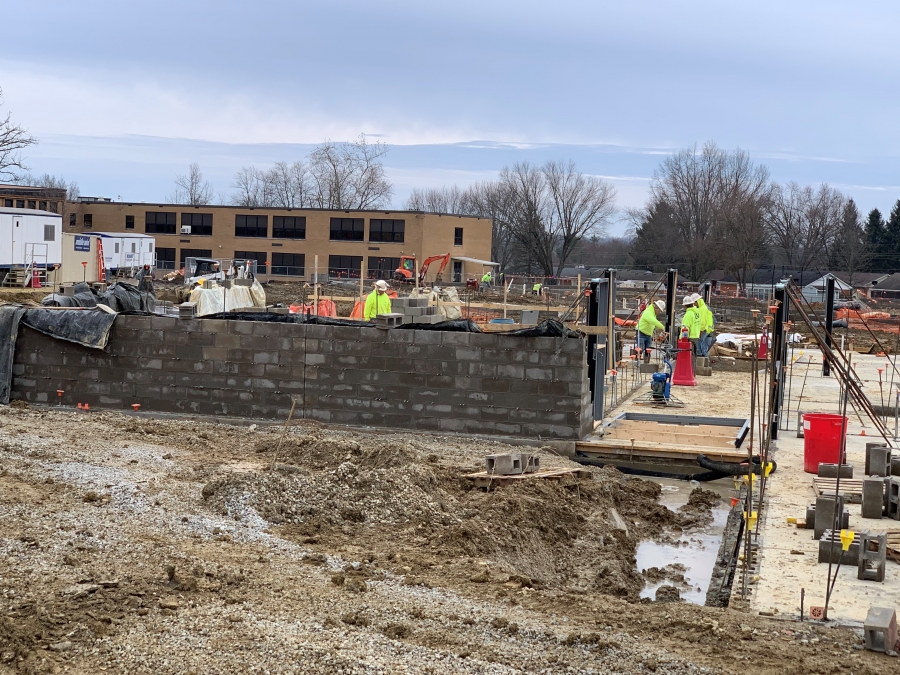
<point>671,289</point>
<point>829,320</point>
<point>779,347</point>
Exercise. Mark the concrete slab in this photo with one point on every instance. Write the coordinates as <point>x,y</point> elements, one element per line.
<point>788,555</point>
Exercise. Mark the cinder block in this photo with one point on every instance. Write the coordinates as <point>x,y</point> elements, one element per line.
<point>703,371</point>
<point>826,508</point>
<point>649,368</point>
<point>830,549</point>
<point>530,463</point>
<point>872,497</point>
<point>893,498</point>
<point>810,516</point>
<point>880,629</point>
<point>878,460</point>
<point>895,466</point>
<point>701,362</point>
<point>872,556</point>
<point>833,470</point>
<point>504,465</point>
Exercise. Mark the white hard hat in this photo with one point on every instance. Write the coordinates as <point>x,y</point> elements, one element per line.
<point>688,300</point>
<point>696,297</point>
<point>381,285</point>
<point>661,304</point>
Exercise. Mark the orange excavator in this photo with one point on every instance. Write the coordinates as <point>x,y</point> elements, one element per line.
<point>407,270</point>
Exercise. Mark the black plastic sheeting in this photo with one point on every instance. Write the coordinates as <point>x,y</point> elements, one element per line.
<point>451,326</point>
<point>88,328</point>
<point>731,469</point>
<point>118,297</point>
<point>287,318</point>
<point>547,328</point>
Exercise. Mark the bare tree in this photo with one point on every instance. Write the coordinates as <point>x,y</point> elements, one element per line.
<point>851,251</point>
<point>13,139</point>
<point>527,209</point>
<point>192,188</point>
<point>803,223</point>
<point>250,188</point>
<point>350,175</point>
<point>51,182</point>
<point>436,200</point>
<point>288,186</point>
<point>579,206</point>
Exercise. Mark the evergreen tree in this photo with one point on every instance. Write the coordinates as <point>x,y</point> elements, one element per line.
<point>875,236</point>
<point>850,251</point>
<point>891,250</point>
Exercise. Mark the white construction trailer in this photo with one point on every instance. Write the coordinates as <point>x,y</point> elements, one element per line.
<point>30,244</point>
<point>127,252</point>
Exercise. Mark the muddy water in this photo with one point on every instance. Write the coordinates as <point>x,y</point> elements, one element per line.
<point>696,549</point>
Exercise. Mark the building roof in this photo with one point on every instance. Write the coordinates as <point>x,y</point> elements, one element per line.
<point>819,284</point>
<point>862,279</point>
<point>891,283</point>
<point>770,276</point>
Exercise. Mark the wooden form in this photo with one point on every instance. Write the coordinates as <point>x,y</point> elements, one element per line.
<point>645,451</point>
<point>486,480</point>
<point>738,427</point>
<point>893,545</point>
<point>677,434</point>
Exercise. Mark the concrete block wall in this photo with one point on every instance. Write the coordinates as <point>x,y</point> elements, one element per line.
<point>406,379</point>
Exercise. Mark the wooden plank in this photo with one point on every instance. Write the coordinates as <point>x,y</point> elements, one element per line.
<point>652,451</point>
<point>483,479</point>
<point>683,419</point>
<point>669,437</point>
<point>692,429</point>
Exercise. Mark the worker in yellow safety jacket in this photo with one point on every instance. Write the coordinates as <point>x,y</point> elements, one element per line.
<point>690,323</point>
<point>486,280</point>
<point>706,327</point>
<point>377,302</point>
<point>646,325</point>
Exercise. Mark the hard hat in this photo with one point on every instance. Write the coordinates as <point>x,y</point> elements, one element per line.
<point>696,297</point>
<point>688,300</point>
<point>381,285</point>
<point>661,305</point>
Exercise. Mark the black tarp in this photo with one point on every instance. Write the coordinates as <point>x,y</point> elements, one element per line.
<point>547,328</point>
<point>118,297</point>
<point>453,326</point>
<point>85,327</point>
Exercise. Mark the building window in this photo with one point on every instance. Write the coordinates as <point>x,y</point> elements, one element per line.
<point>260,258</point>
<point>344,266</point>
<point>20,203</point>
<point>251,226</point>
<point>32,204</point>
<point>88,220</point>
<point>8,203</point>
<point>347,229</point>
<point>387,230</point>
<point>382,268</point>
<point>291,264</point>
<point>165,258</point>
<point>42,206</point>
<point>200,223</point>
<point>72,218</point>
<point>289,227</point>
<point>129,222</point>
<point>160,222</point>
<point>457,236</point>
<point>49,232</point>
<point>192,253</point>
<point>54,206</point>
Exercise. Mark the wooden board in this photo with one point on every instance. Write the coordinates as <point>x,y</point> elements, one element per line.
<point>669,437</point>
<point>486,480</point>
<point>696,429</point>
<point>850,487</point>
<point>648,451</point>
<point>893,545</point>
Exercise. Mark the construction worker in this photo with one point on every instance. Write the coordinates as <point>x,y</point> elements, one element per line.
<point>706,326</point>
<point>377,302</point>
<point>486,279</point>
<point>536,289</point>
<point>145,279</point>
<point>690,323</point>
<point>647,324</point>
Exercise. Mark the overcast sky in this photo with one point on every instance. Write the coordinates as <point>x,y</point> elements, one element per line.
<point>124,95</point>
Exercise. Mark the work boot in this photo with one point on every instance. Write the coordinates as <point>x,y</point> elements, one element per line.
<point>646,356</point>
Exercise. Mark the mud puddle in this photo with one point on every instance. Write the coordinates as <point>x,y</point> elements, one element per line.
<point>687,561</point>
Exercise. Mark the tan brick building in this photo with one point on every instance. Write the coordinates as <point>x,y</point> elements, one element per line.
<point>290,239</point>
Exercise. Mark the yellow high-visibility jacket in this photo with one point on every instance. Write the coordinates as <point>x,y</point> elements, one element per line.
<point>648,321</point>
<point>376,304</point>
<point>691,321</point>
<point>706,317</point>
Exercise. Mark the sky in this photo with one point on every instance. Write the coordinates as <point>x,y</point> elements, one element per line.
<point>124,96</point>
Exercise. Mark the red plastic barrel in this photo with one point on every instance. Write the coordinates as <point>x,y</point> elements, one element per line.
<point>822,434</point>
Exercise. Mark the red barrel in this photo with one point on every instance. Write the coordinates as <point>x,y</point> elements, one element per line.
<point>822,434</point>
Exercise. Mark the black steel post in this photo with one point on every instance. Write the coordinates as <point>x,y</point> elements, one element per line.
<point>778,354</point>
<point>706,292</point>
<point>671,289</point>
<point>593,316</point>
<point>829,320</point>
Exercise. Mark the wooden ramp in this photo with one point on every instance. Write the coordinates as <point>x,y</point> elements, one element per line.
<point>851,488</point>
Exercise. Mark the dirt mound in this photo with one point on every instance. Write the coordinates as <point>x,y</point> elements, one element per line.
<point>697,512</point>
<point>320,450</point>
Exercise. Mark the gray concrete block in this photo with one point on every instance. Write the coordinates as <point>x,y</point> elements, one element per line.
<point>703,371</point>
<point>880,629</point>
<point>878,460</point>
<point>826,508</point>
<point>649,368</point>
<point>872,556</point>
<point>872,497</point>
<point>832,470</point>
<point>810,516</point>
<point>893,498</point>
<point>508,464</point>
<point>895,466</point>
<point>831,550</point>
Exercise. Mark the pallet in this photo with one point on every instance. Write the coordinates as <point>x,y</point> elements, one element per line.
<point>485,480</point>
<point>851,488</point>
<point>893,545</point>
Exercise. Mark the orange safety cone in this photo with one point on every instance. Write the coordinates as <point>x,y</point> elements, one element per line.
<point>684,366</point>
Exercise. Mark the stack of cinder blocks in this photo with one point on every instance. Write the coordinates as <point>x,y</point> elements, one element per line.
<point>880,490</point>
<point>415,310</point>
<point>513,463</point>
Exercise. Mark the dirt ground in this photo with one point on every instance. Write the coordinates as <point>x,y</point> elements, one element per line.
<point>142,546</point>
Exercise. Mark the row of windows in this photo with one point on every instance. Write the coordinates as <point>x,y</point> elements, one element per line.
<point>39,204</point>
<point>288,264</point>
<point>381,230</point>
